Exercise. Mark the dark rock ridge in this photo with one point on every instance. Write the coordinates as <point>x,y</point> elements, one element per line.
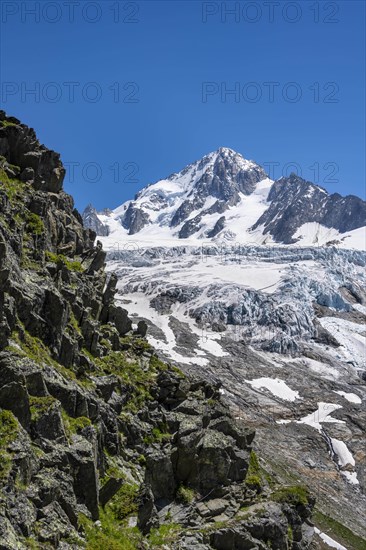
<point>134,219</point>
<point>91,221</point>
<point>294,202</point>
<point>97,433</point>
<point>224,181</point>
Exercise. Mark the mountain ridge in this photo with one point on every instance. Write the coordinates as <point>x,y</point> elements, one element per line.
<point>223,196</point>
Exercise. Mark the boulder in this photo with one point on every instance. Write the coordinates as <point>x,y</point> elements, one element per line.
<point>147,513</point>
<point>14,397</point>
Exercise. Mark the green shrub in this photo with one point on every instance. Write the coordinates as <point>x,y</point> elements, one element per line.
<point>185,495</point>
<point>35,224</point>
<point>124,503</point>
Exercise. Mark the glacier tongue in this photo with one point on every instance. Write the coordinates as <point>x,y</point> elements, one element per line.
<point>279,300</point>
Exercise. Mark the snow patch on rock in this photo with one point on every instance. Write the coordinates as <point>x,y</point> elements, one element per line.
<point>351,397</point>
<point>276,386</point>
<point>329,541</point>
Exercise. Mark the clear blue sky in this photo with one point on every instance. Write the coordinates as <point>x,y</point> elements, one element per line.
<point>168,51</point>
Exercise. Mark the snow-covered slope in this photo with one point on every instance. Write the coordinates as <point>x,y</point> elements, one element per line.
<point>226,198</point>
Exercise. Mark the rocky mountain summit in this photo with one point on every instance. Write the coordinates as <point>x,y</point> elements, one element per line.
<point>225,197</point>
<point>91,220</point>
<point>104,445</point>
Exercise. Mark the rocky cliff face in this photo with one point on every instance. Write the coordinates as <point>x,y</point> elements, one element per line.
<point>103,444</point>
<point>294,202</point>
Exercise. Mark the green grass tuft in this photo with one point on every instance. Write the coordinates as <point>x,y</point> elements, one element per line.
<point>40,405</point>
<point>290,534</point>
<point>253,482</point>
<point>6,123</point>
<point>139,381</point>
<point>12,186</point>
<point>165,535</point>
<point>112,535</point>
<point>71,265</point>
<point>74,425</point>
<point>8,432</point>
<point>8,428</point>
<point>253,479</point>
<point>125,503</point>
<point>296,494</point>
<point>158,435</point>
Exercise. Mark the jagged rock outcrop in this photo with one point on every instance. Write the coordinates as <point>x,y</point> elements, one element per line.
<point>96,432</point>
<point>28,159</point>
<point>91,221</point>
<point>134,219</point>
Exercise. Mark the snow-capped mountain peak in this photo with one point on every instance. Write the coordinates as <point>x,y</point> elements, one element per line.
<point>207,187</point>
<point>224,160</point>
<point>224,196</point>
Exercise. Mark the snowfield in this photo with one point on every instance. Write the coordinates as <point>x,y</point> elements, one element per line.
<point>276,386</point>
<point>315,234</point>
<point>321,415</point>
<point>351,336</point>
<point>351,397</point>
<point>316,419</point>
<point>344,456</point>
